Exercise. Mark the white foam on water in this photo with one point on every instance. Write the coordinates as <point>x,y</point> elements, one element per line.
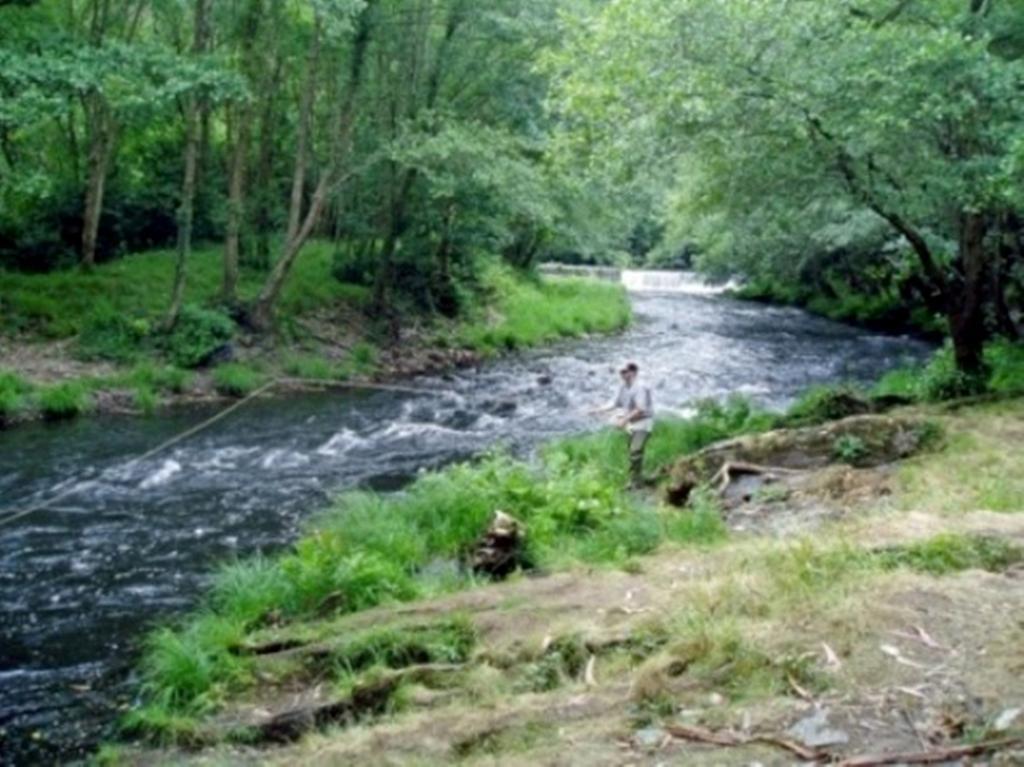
<point>280,458</point>
<point>341,443</point>
<point>664,281</point>
<point>161,476</point>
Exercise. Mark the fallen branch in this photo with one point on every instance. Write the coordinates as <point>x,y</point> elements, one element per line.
<point>726,738</point>
<point>934,756</point>
<point>723,477</point>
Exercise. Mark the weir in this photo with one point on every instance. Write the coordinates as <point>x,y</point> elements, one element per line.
<point>642,280</point>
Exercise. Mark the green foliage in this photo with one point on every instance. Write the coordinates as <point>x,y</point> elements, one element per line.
<point>700,522</point>
<point>951,553</point>
<point>533,311</point>
<point>13,393</point>
<point>236,380</point>
<point>942,380</point>
<point>166,378</point>
<point>713,421</point>
<point>64,400</point>
<point>108,334</point>
<point>447,641</point>
<point>313,368</point>
<point>197,335</point>
<point>1006,361</point>
<point>849,448</point>
<point>824,403</point>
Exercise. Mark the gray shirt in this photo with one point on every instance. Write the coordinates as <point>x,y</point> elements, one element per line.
<point>636,397</point>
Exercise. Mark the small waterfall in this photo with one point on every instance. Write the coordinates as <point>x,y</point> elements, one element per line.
<point>641,280</point>
<point>663,281</point>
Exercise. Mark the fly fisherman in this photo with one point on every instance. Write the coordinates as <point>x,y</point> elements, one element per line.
<point>634,407</point>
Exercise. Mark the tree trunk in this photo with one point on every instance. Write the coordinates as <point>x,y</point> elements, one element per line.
<point>966,315</point>
<point>101,142</point>
<point>306,105</point>
<point>261,312</point>
<point>263,181</point>
<point>186,209</point>
<point>236,206</point>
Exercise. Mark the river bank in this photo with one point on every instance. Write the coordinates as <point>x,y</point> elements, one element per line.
<point>857,599</point>
<point>96,349</point>
<point>135,542</point>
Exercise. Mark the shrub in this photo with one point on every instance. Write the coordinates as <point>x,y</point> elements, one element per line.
<point>825,403</point>
<point>13,392</point>
<point>159,377</point>
<point>108,334</point>
<point>236,380</point>
<point>197,335</point>
<point>849,448</point>
<point>950,553</point>
<point>1006,360</point>
<point>315,368</point>
<point>64,400</point>
<point>363,356</point>
<point>941,380</point>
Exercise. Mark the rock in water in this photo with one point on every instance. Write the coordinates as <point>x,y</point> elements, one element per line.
<point>499,551</point>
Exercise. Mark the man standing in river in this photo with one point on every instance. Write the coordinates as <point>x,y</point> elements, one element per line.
<point>635,407</point>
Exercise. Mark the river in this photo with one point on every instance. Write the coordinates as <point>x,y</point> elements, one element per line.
<point>134,542</point>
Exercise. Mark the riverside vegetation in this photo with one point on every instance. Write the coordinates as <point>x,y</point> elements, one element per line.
<point>264,621</point>
<point>107,327</point>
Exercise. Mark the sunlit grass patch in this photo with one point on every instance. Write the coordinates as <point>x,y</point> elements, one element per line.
<point>973,468</point>
<point>951,553</point>
<point>237,380</point>
<point>14,391</point>
<point>64,400</point>
<point>531,311</point>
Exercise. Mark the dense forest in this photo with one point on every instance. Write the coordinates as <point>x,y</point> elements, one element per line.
<point>412,134</point>
<point>862,156</point>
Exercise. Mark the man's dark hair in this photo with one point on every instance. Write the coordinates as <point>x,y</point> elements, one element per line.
<point>631,367</point>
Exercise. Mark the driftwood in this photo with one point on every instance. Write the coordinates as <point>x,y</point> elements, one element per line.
<point>367,698</point>
<point>726,738</point>
<point>724,476</point>
<point>933,756</point>
<point>697,734</point>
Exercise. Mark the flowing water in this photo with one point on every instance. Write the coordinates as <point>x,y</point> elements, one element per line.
<point>134,542</point>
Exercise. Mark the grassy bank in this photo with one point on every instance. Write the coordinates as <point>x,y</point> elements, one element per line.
<point>887,311</point>
<point>370,549</point>
<point>657,615</point>
<point>84,341</point>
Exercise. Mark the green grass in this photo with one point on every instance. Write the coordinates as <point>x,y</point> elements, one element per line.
<point>519,312</point>
<point>371,550</point>
<point>64,400</point>
<point>61,304</point>
<point>235,379</point>
<point>950,553</point>
<point>14,391</point>
<point>939,379</point>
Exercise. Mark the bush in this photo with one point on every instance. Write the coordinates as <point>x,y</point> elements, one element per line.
<point>941,380</point>
<point>159,377</point>
<point>197,335</point>
<point>314,368</point>
<point>236,379</point>
<point>13,392</point>
<point>825,403</point>
<point>109,334</point>
<point>1006,360</point>
<point>64,400</point>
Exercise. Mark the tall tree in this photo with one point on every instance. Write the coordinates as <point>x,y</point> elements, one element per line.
<point>194,106</point>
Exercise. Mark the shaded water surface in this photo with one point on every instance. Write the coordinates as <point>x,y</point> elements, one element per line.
<point>135,542</point>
